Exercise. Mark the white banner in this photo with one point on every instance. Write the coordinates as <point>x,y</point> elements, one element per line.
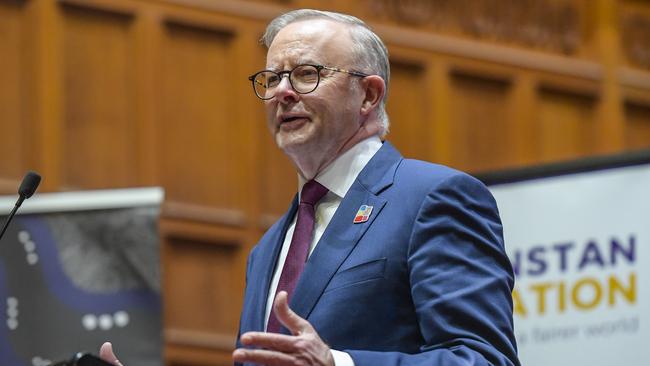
<point>78,269</point>
<point>579,244</point>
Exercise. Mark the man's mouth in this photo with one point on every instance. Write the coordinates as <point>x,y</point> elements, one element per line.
<point>292,121</point>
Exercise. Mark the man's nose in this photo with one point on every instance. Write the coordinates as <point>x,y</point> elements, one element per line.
<point>284,92</point>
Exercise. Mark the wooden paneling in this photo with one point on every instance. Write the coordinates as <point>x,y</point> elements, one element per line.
<point>279,179</point>
<point>203,307</point>
<point>407,109</point>
<point>524,111</point>
<point>15,143</point>
<point>177,355</point>
<point>637,131</point>
<point>198,127</point>
<point>197,304</point>
<point>634,23</point>
<point>565,125</point>
<point>479,124</point>
<point>99,139</point>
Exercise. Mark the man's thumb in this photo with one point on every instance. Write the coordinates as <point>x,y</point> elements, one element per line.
<point>286,316</point>
<point>106,353</point>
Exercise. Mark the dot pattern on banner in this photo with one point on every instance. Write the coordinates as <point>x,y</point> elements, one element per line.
<point>30,247</point>
<point>121,319</point>
<point>23,236</point>
<point>32,258</point>
<point>89,322</point>
<point>12,313</point>
<point>38,361</point>
<point>12,324</point>
<point>105,321</point>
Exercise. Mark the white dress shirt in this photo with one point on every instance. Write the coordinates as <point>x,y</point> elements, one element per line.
<point>338,178</point>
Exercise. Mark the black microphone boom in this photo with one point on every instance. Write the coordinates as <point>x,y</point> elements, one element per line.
<point>26,190</point>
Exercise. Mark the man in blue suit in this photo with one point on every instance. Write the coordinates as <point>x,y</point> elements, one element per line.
<point>404,262</point>
<point>380,260</point>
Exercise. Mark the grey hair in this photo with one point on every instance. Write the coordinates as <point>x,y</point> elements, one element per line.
<point>369,52</point>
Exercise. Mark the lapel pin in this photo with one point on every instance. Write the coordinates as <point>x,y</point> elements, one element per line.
<point>363,214</point>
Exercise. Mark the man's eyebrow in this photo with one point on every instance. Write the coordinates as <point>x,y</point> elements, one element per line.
<point>273,68</point>
<point>300,61</point>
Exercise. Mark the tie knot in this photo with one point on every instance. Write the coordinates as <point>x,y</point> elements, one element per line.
<point>312,192</point>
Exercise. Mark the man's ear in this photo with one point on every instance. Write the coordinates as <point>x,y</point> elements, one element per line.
<point>375,89</point>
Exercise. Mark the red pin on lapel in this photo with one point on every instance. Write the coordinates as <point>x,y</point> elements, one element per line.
<point>363,214</point>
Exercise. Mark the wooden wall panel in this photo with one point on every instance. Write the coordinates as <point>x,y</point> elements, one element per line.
<point>14,125</point>
<point>565,125</point>
<point>479,123</point>
<point>634,27</point>
<point>202,305</point>
<point>279,179</point>
<point>99,139</point>
<point>199,128</point>
<point>637,126</point>
<point>202,288</point>
<point>203,284</point>
<point>190,356</point>
<point>407,110</point>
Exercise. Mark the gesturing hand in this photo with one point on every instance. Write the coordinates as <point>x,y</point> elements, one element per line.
<point>303,347</point>
<point>106,353</point>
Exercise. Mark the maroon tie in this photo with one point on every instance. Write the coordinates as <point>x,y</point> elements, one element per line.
<point>311,193</point>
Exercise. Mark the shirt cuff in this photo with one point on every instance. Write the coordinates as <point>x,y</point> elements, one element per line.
<point>341,358</point>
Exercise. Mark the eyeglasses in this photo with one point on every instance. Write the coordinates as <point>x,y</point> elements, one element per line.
<point>304,79</point>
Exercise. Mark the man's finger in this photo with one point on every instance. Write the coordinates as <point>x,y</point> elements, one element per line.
<point>273,341</point>
<point>106,353</point>
<point>287,317</point>
<point>262,357</point>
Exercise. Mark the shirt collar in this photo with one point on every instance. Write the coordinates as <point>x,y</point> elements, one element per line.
<point>339,176</point>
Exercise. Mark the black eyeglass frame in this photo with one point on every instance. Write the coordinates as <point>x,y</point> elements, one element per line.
<point>318,68</point>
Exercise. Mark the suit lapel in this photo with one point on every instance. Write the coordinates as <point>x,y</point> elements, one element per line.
<point>268,257</point>
<point>342,235</point>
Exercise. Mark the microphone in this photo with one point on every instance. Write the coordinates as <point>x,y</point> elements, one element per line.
<point>26,190</point>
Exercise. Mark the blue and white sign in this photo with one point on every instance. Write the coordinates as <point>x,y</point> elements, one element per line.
<point>580,247</point>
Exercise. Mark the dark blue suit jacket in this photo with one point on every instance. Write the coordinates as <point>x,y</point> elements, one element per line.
<point>425,281</point>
